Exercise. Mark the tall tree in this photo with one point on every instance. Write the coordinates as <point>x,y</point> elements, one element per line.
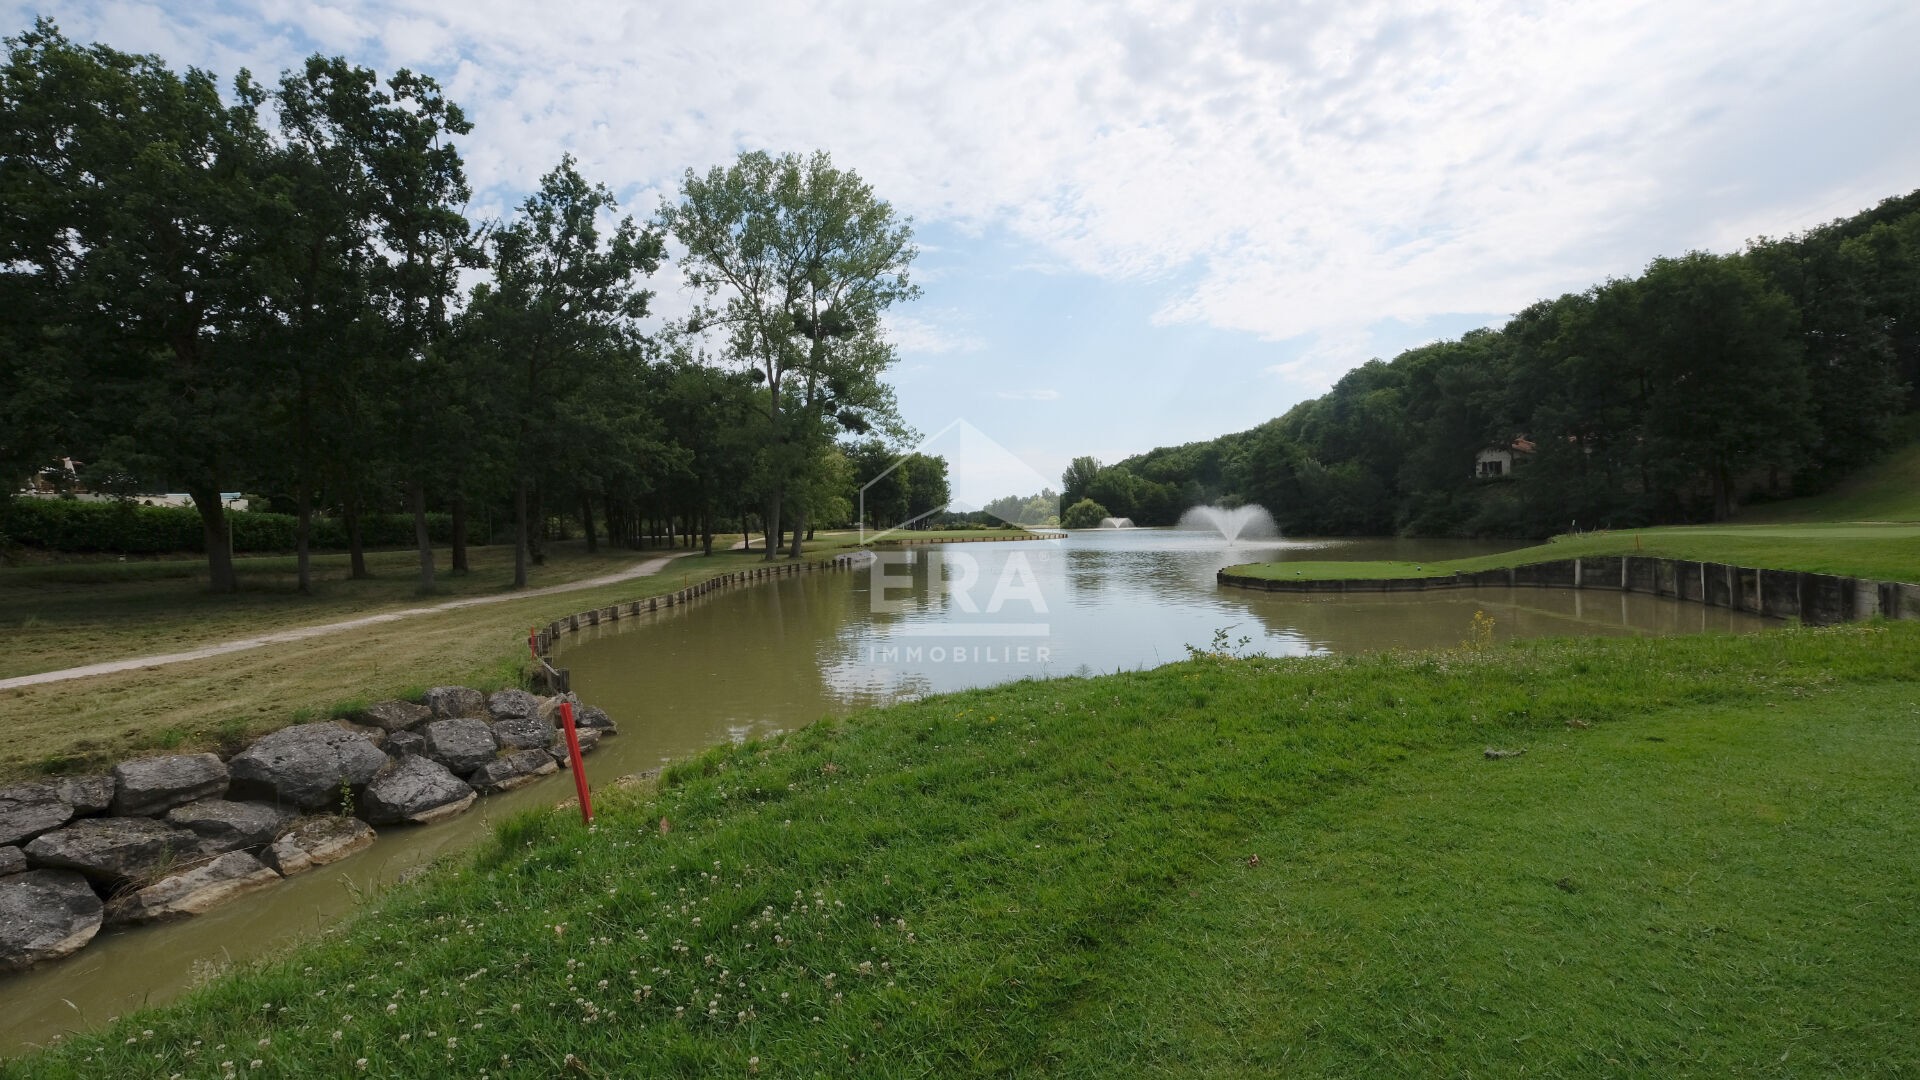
<point>802,260</point>
<point>147,214</point>
<point>563,301</point>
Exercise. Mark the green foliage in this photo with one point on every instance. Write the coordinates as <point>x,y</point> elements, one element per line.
<point>67,525</point>
<point>1672,397</point>
<point>1085,514</point>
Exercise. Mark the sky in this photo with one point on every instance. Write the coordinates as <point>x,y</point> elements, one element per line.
<point>1142,224</point>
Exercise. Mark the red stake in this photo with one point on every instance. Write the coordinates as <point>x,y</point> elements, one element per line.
<point>573,756</point>
<point>533,643</point>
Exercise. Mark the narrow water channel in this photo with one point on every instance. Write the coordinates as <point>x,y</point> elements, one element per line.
<point>752,661</point>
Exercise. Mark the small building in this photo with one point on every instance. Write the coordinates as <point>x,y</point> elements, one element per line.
<point>1496,461</point>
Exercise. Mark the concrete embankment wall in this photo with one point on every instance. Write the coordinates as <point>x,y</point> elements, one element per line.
<point>1815,599</point>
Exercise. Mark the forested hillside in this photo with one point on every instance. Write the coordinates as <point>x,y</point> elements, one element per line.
<point>1706,382</point>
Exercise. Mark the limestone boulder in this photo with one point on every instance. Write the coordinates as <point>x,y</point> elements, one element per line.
<point>224,825</point>
<point>114,850</point>
<point>12,861</point>
<point>391,716</point>
<point>373,733</point>
<point>44,915</point>
<point>317,841</point>
<point>462,745</point>
<point>88,795</point>
<point>27,810</point>
<point>418,790</point>
<point>155,785</point>
<point>589,742</point>
<point>306,766</point>
<point>402,743</point>
<point>507,704</point>
<point>193,891</point>
<point>522,733</point>
<point>593,717</point>
<point>447,702</point>
<point>509,771</point>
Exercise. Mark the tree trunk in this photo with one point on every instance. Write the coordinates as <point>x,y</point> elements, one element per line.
<point>520,534</point>
<point>1722,492</point>
<point>771,524</point>
<point>586,520</point>
<point>460,535</point>
<point>356,551</point>
<point>219,540</point>
<point>706,532</point>
<point>303,537</point>
<point>537,527</point>
<point>417,496</point>
<point>799,528</point>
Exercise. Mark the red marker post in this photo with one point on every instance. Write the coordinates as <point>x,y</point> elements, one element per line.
<point>573,756</point>
<point>533,643</point>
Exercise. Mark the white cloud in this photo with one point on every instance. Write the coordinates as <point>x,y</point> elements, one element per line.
<point>1297,170</point>
<point>914,334</point>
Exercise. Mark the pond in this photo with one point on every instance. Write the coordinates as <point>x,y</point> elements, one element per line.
<point>752,661</point>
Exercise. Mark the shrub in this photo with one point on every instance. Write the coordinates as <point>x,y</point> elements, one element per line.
<point>126,528</point>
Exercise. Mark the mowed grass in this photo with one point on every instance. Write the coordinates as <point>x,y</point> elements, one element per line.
<point>1882,552</point>
<point>223,702</point>
<point>1887,491</point>
<point>1702,864</point>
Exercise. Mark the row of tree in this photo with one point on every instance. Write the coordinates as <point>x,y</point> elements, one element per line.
<point>1669,397</point>
<point>279,290</point>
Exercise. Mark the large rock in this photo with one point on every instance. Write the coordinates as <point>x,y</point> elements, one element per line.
<point>12,861</point>
<point>507,704</point>
<point>86,794</point>
<point>550,707</point>
<point>419,790</point>
<point>391,716</point>
<point>28,810</point>
<point>155,785</point>
<point>316,842</point>
<point>44,915</point>
<point>448,702</point>
<point>402,743</point>
<point>373,733</point>
<point>509,771</point>
<point>461,745</point>
<point>194,891</point>
<point>522,733</point>
<point>223,825</point>
<point>593,717</point>
<point>114,850</point>
<point>589,741</point>
<point>306,766</point>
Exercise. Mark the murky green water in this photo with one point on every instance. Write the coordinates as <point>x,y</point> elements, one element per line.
<point>754,660</point>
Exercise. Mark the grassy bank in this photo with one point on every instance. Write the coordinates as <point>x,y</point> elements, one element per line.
<point>1886,552</point>
<point>1702,863</point>
<point>222,702</point>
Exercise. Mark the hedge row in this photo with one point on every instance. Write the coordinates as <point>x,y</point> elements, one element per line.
<point>130,529</point>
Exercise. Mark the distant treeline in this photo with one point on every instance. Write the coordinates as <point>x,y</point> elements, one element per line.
<point>1672,397</point>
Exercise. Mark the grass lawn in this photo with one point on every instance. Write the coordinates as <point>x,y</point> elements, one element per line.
<point>1888,491</point>
<point>1889,552</point>
<point>225,701</point>
<point>1702,864</point>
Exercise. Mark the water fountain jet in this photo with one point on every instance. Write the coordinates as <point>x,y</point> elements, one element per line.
<point>1250,522</point>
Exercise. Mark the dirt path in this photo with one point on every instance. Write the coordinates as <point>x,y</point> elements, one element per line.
<point>639,570</point>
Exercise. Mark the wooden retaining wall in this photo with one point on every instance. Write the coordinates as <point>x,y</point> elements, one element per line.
<point>1815,599</point>
<point>545,637</point>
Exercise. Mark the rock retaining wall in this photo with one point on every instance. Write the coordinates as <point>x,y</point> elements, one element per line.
<point>171,836</point>
<point>1815,599</point>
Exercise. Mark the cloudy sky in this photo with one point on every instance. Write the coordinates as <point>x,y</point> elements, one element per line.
<point>1143,224</point>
